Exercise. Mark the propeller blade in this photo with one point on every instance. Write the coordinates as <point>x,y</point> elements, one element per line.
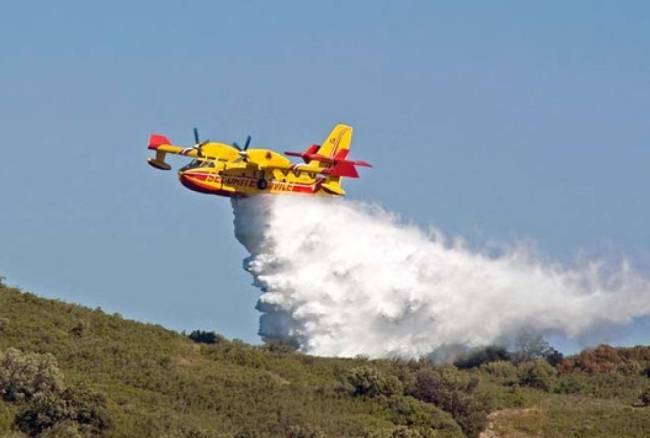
<point>234,143</point>
<point>196,136</point>
<point>248,142</point>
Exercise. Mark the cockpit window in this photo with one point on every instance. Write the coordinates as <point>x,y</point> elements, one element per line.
<point>198,163</point>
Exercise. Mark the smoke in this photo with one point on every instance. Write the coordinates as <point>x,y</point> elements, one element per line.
<point>344,278</point>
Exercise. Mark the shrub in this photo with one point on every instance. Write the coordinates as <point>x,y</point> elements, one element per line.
<point>80,329</point>
<point>504,372</point>
<point>280,347</point>
<point>646,372</point>
<point>570,384</point>
<point>645,396</point>
<point>78,407</point>
<point>537,374</point>
<point>405,432</point>
<point>602,360</point>
<point>369,382</point>
<point>552,356</point>
<point>305,431</point>
<point>203,337</point>
<point>23,375</point>
<point>417,415</point>
<point>454,392</point>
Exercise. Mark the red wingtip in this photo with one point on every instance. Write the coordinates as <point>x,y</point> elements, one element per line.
<point>156,140</point>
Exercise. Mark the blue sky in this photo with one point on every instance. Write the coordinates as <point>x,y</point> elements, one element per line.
<point>496,121</point>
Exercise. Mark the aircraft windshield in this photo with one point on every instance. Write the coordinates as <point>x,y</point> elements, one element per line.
<point>198,163</point>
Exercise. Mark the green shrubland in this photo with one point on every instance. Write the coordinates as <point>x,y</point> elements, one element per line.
<point>69,371</point>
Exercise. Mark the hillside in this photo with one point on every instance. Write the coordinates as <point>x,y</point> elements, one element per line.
<point>66,370</point>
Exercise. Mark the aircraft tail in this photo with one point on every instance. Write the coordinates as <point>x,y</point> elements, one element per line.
<point>330,158</point>
<point>337,141</point>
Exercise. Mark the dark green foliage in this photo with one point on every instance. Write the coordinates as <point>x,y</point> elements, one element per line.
<point>80,329</point>
<point>646,372</point>
<point>552,356</point>
<point>143,380</point>
<point>501,371</point>
<point>367,381</point>
<point>160,383</point>
<point>537,374</point>
<point>280,347</point>
<point>479,356</point>
<point>203,337</point>
<point>77,408</point>
<point>305,432</point>
<point>419,416</point>
<point>645,396</point>
<point>454,392</point>
<point>570,384</point>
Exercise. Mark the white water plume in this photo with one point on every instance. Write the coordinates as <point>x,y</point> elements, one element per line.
<point>344,278</point>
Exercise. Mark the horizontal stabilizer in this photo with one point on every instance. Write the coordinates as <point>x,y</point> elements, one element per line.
<point>311,150</point>
<point>342,168</point>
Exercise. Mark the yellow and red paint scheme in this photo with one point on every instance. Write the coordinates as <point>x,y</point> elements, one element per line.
<point>221,169</point>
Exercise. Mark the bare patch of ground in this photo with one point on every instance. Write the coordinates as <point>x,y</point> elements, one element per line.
<point>503,423</point>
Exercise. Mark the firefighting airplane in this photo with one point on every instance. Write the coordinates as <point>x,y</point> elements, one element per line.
<point>234,171</point>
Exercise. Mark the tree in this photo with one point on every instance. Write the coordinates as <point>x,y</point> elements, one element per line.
<point>530,345</point>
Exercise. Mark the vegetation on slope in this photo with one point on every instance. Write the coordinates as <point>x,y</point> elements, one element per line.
<point>66,370</point>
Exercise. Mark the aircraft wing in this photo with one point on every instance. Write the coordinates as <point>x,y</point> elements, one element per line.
<point>267,159</point>
<point>206,150</point>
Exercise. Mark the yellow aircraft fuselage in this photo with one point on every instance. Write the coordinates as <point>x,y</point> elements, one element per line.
<point>221,169</point>
<point>242,179</point>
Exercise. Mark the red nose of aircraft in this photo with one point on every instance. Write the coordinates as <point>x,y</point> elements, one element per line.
<point>190,181</point>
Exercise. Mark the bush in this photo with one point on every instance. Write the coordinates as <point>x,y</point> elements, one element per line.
<point>405,432</point>
<point>645,396</point>
<point>280,347</point>
<point>502,371</point>
<point>570,384</point>
<point>80,408</point>
<point>454,392</point>
<point>203,337</point>
<point>367,381</point>
<point>646,372</point>
<point>23,375</point>
<point>420,416</point>
<point>483,355</point>
<point>80,329</point>
<point>553,357</point>
<point>537,374</point>
<point>601,360</point>
<point>305,431</point>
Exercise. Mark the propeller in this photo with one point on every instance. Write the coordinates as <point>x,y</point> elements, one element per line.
<point>198,143</point>
<point>242,151</point>
<point>248,143</point>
